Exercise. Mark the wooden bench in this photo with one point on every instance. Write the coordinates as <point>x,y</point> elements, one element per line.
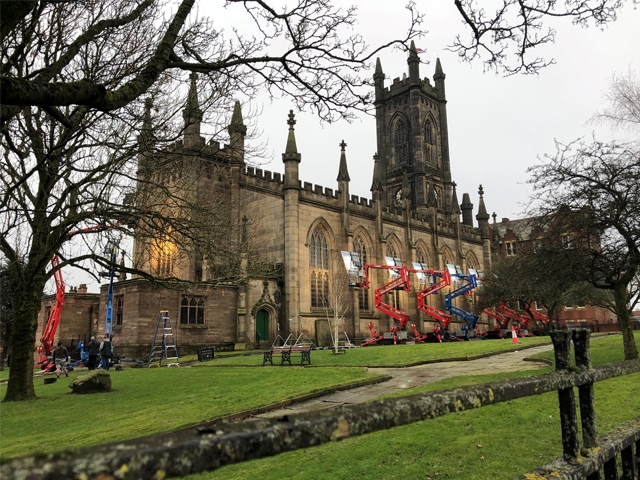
<point>286,352</point>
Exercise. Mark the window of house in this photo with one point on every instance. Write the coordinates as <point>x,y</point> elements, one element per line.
<point>568,307</point>
<point>363,293</point>
<point>581,307</point>
<point>319,263</point>
<point>119,309</point>
<point>510,248</point>
<point>537,246</point>
<point>400,142</point>
<point>192,311</point>
<point>568,240</point>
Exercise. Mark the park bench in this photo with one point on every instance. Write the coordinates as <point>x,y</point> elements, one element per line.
<point>285,354</point>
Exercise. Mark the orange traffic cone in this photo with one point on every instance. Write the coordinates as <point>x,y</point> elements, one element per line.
<point>514,336</point>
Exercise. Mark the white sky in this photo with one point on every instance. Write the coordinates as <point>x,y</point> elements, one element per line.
<point>497,126</point>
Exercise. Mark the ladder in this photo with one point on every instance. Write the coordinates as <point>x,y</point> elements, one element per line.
<point>164,345</point>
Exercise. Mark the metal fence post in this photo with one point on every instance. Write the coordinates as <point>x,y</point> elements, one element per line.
<point>566,397</point>
<point>581,338</point>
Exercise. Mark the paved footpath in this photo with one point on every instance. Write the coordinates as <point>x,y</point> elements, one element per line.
<point>410,377</point>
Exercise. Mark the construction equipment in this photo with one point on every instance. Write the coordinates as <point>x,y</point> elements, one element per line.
<point>399,281</point>
<point>164,347</point>
<point>45,363</point>
<point>435,280</point>
<point>521,320</point>
<point>538,316</point>
<point>502,323</point>
<point>470,282</point>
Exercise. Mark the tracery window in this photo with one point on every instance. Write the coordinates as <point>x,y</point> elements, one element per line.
<point>430,144</point>
<point>319,263</point>
<point>119,309</point>
<point>192,311</point>
<point>363,293</point>
<point>400,142</point>
<point>393,297</point>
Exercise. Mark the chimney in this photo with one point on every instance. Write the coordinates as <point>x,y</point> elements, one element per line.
<point>82,288</point>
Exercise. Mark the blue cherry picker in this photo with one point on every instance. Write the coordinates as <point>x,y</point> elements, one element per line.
<point>470,282</point>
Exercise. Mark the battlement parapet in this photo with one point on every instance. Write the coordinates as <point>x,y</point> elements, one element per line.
<point>401,85</point>
<point>362,201</point>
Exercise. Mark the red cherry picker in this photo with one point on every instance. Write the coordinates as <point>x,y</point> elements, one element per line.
<point>537,315</point>
<point>399,281</point>
<point>522,320</point>
<point>502,323</point>
<point>436,280</point>
<point>45,350</point>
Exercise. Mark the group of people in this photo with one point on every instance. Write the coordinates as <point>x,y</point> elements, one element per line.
<point>61,355</point>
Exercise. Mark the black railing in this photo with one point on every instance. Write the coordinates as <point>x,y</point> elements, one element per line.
<point>213,446</point>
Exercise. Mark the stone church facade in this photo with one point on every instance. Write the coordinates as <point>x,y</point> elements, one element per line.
<point>413,214</point>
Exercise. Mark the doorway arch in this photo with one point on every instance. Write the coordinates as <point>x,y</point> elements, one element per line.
<point>262,326</point>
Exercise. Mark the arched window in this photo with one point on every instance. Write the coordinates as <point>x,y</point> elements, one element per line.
<point>421,257</point>
<point>192,311</point>
<point>363,294</point>
<point>319,263</point>
<point>393,297</point>
<point>119,309</point>
<point>400,142</point>
<point>429,142</point>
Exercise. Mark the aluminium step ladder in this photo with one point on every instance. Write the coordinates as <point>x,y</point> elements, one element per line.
<point>164,350</point>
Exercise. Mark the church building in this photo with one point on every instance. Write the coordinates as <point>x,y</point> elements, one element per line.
<point>299,229</point>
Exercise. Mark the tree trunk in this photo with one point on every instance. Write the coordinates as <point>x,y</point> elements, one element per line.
<point>22,341</point>
<point>624,319</point>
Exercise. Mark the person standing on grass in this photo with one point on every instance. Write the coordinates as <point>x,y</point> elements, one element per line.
<point>60,358</point>
<point>93,349</point>
<point>105,351</point>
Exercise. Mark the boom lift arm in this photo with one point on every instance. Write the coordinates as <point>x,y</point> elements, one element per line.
<point>46,347</point>
<point>466,289</point>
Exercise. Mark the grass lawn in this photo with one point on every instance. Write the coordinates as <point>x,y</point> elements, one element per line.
<point>496,442</point>
<point>392,355</point>
<point>500,441</point>
<point>145,401</point>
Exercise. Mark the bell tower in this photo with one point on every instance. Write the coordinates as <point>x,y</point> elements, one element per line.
<point>412,138</point>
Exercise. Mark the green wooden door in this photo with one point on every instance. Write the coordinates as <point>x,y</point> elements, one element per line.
<point>262,326</point>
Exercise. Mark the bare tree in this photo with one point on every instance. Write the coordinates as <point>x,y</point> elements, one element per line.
<point>72,79</point>
<point>601,180</point>
<point>507,38</point>
<point>340,300</point>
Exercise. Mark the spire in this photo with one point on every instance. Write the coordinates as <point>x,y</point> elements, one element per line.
<point>237,124</point>
<point>343,173</point>
<point>482,210</point>
<point>455,206</point>
<point>192,113</point>
<point>376,186</point>
<point>192,117</point>
<point>146,138</point>
<point>439,77</point>
<point>291,151</point>
<point>414,64</point>
<point>378,80</point>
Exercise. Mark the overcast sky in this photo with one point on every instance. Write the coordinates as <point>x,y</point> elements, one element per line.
<point>497,126</point>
